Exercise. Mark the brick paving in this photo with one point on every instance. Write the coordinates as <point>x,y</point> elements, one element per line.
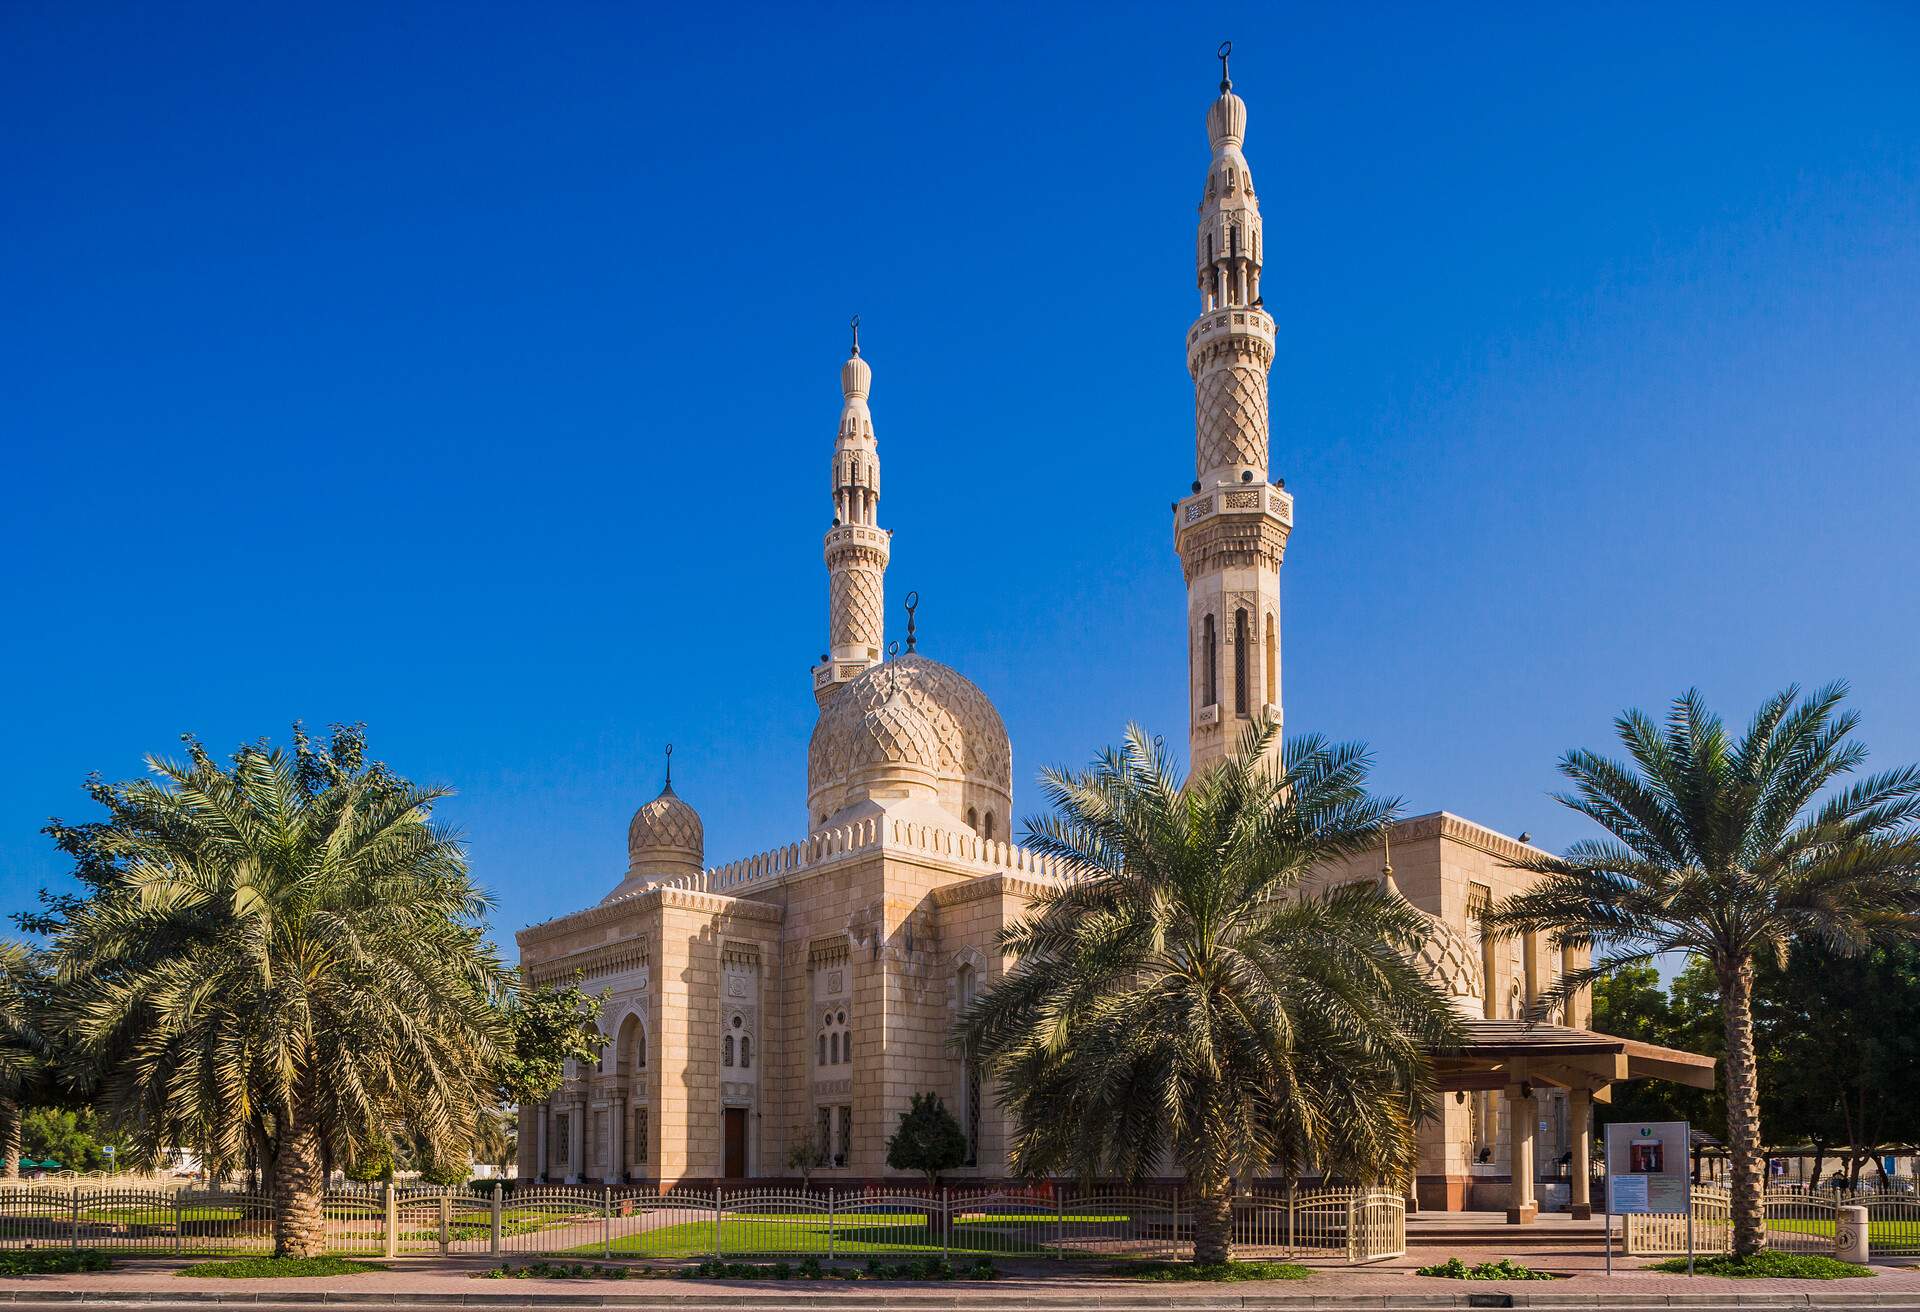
<point>1380,1285</point>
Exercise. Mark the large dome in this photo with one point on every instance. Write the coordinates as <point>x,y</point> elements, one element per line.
<point>924,718</point>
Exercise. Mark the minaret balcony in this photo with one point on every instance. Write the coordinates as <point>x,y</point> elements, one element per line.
<point>866,537</point>
<point>1232,524</point>
<point>1230,324</point>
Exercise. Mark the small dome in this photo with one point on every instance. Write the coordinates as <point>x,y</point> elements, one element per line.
<point>665,836</point>
<point>1227,121</point>
<point>856,377</point>
<point>1450,963</point>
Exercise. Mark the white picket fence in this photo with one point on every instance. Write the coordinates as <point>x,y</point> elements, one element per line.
<point>1346,1225</point>
<point>1797,1222</point>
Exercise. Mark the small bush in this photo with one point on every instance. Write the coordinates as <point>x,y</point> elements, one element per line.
<point>925,1268</point>
<point>278,1268</point>
<point>1214,1271</point>
<point>1769,1265</point>
<point>562,1271</point>
<point>1504,1269</point>
<point>52,1261</point>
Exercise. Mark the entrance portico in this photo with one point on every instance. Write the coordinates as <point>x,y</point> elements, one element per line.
<point>1522,1061</point>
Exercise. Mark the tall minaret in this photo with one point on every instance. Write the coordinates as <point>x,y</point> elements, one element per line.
<point>1231,531</point>
<point>856,544</point>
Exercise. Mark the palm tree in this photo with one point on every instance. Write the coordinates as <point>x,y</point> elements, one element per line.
<point>1723,849</point>
<point>1181,996</point>
<point>286,959</point>
<point>22,1048</point>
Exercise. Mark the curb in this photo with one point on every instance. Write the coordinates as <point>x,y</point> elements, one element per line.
<point>759,1297</point>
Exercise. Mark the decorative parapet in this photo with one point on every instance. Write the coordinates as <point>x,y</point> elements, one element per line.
<point>765,870</point>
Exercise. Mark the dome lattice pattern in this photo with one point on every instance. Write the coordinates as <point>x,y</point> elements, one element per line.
<point>665,822</point>
<point>969,740</point>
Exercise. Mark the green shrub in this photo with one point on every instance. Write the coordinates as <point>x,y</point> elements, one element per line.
<point>1217,1271</point>
<point>1769,1264</point>
<point>52,1261</point>
<point>278,1268</point>
<point>1504,1269</point>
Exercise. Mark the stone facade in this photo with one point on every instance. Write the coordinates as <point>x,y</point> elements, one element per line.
<point>807,993</point>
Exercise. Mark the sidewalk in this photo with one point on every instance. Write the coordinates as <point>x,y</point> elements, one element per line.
<point>453,1283</point>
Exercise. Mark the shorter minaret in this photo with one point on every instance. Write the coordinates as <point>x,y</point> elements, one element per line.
<point>857,546</point>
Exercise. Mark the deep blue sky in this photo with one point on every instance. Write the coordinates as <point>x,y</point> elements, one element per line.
<point>471,371</point>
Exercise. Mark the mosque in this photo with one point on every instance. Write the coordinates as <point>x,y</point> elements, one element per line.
<point>805,994</point>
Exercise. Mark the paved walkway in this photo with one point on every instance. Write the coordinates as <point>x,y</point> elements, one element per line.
<point>421,1284</point>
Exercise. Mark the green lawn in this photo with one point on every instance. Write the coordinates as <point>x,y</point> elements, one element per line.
<point>856,1235</point>
<point>1878,1232</point>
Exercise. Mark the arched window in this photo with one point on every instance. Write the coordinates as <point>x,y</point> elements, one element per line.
<point>1209,663</point>
<point>746,1051</point>
<point>1240,662</point>
<point>990,825</point>
<point>726,1051</point>
<point>822,1059</point>
<point>833,1047</point>
<point>969,1075</point>
<point>973,820</point>
<point>1273,662</point>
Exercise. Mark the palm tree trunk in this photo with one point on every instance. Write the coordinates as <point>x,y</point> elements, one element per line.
<point>10,1139</point>
<point>1212,1222</point>
<point>299,1187</point>
<point>1743,1111</point>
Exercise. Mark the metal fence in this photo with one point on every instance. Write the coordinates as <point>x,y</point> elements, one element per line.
<point>1798,1221</point>
<point>1043,1224</point>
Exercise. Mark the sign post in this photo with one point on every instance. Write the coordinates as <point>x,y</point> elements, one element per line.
<point>1647,1175</point>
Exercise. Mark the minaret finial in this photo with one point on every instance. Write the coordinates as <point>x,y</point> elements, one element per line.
<point>913,603</point>
<point>854,323</point>
<point>669,787</point>
<point>1226,48</point>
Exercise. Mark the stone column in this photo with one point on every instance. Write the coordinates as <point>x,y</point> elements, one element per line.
<point>542,1113</point>
<point>576,1140</point>
<point>1521,1209</point>
<point>617,1140</point>
<point>1580,1139</point>
<point>1530,971</point>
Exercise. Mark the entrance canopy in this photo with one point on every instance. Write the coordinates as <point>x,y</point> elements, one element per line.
<point>1501,1053</point>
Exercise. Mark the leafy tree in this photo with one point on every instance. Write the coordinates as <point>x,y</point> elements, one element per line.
<point>1631,1003</point>
<point>282,958</point>
<point>373,1164</point>
<point>928,1140</point>
<point>807,1156</point>
<point>1839,1038</point>
<point>1721,849</point>
<point>69,1136</point>
<point>548,1027</point>
<point>1181,996</point>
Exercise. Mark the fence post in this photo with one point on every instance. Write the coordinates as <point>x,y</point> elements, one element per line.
<point>179,1224</point>
<point>716,1223</point>
<point>946,1223</point>
<point>1173,1240</point>
<point>76,1218</point>
<point>606,1221</point>
<point>1059,1223</point>
<point>391,1223</point>
<point>446,1220</point>
<point>832,1228</point>
<point>1353,1235</point>
<point>493,1228</point>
